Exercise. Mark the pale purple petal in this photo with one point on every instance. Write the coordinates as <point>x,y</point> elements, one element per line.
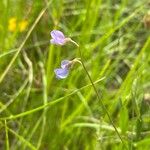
<point>64,64</point>
<point>57,42</point>
<point>56,34</point>
<point>58,38</point>
<point>61,73</point>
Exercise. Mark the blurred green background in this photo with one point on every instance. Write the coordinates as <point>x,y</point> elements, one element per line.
<point>40,112</point>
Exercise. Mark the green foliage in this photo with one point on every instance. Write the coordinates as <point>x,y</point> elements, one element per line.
<point>39,112</point>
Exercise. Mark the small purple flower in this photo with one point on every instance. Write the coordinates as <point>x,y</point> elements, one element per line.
<point>63,72</point>
<point>65,64</point>
<point>58,38</point>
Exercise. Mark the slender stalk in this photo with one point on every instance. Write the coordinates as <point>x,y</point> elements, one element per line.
<point>98,96</point>
<point>7,139</point>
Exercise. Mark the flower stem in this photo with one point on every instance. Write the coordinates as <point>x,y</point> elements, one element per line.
<point>98,96</point>
<point>74,42</point>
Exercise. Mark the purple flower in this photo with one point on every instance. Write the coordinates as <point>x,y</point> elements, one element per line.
<point>58,38</point>
<point>65,64</point>
<point>63,72</point>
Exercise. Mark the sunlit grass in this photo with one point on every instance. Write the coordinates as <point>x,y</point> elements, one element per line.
<point>37,111</point>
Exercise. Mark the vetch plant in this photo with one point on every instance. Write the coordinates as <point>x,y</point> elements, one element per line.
<point>66,65</point>
<point>63,72</point>
<point>58,38</point>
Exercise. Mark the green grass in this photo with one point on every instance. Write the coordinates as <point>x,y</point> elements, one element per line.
<point>40,112</point>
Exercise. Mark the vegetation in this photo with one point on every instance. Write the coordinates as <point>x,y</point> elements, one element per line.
<point>103,104</point>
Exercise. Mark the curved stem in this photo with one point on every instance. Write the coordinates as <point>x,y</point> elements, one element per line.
<point>98,96</point>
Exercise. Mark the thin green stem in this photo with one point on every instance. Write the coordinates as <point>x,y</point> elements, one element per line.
<point>98,96</point>
<point>45,99</point>
<point>7,139</point>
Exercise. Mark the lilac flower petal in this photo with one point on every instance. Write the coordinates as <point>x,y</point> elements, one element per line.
<point>58,38</point>
<point>61,73</point>
<point>56,34</point>
<point>64,64</point>
<point>57,42</point>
